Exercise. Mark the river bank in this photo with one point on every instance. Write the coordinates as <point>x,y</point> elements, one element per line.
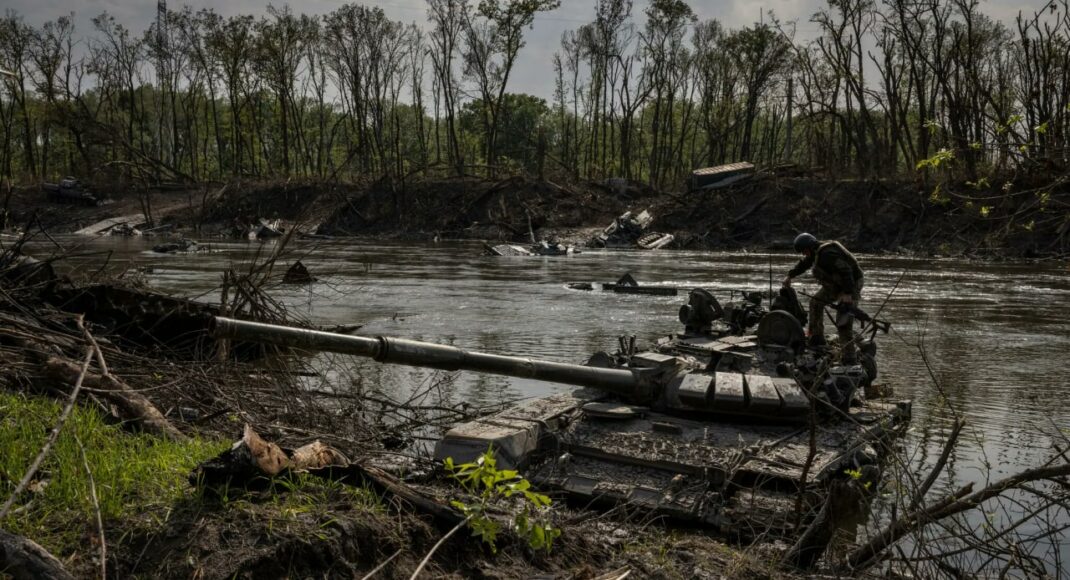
<point>123,490</point>
<point>1024,221</point>
<point>398,289</point>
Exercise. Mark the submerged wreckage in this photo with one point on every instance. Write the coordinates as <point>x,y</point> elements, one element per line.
<point>630,230</point>
<point>713,425</point>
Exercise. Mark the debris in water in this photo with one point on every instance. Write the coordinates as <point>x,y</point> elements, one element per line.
<point>176,247</point>
<point>298,274</point>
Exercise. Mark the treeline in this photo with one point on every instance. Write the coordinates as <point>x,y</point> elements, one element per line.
<point>644,92</point>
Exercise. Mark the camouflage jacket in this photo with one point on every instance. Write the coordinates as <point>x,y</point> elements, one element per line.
<point>833,266</point>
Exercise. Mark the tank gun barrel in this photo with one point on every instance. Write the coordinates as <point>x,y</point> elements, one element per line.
<point>430,355</point>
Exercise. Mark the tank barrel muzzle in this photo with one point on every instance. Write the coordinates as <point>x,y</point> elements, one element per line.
<point>383,349</point>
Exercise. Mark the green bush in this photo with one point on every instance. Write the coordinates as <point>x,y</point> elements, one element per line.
<point>483,479</point>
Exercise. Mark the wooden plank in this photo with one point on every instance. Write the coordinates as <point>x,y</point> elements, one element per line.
<point>106,224</point>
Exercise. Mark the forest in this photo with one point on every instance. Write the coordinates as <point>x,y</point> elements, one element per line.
<point>644,91</point>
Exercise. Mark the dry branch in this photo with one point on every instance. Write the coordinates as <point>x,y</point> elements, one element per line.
<point>934,474</point>
<point>961,501</point>
<point>132,405</point>
<point>23,559</point>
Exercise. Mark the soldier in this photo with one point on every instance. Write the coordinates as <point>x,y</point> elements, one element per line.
<point>841,280</point>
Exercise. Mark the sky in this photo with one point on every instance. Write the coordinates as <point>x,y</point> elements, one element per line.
<point>534,71</point>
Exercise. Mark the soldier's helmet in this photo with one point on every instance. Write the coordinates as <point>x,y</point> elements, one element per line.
<point>805,241</point>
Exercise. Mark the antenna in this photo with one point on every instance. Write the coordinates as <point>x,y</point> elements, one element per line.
<point>770,280</point>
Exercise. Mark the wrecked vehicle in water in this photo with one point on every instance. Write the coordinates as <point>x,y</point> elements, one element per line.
<point>630,230</point>
<point>711,426</point>
<point>626,284</point>
<point>543,248</point>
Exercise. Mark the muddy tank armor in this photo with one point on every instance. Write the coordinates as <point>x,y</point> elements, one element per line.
<point>702,426</point>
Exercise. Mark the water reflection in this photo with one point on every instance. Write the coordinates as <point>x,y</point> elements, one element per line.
<point>996,334</point>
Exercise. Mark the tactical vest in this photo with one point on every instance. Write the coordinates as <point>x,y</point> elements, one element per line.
<point>843,256</point>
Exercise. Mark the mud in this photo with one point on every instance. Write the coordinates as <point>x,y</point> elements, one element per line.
<point>322,533</point>
<point>905,217</point>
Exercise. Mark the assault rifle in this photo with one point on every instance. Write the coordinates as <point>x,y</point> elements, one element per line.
<point>851,310</point>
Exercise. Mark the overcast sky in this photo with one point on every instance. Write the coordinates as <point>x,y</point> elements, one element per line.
<point>534,70</point>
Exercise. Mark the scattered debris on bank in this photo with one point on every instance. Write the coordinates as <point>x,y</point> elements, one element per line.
<point>71,190</point>
<point>721,176</point>
<point>729,207</point>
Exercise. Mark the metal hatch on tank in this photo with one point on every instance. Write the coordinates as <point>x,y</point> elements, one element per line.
<point>703,426</point>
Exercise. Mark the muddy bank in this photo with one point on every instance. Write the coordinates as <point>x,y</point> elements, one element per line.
<point>1020,219</point>
<point>152,514</point>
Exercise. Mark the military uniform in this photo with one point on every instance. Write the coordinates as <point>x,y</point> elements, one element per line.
<point>838,273</point>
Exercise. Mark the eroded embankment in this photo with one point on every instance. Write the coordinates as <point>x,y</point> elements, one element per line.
<point>1022,219</point>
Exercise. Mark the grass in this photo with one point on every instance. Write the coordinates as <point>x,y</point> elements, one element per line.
<point>135,475</point>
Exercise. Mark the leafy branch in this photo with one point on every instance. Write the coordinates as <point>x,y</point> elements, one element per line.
<point>483,479</point>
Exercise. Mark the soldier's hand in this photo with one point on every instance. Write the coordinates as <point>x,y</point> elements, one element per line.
<point>846,298</point>
<point>787,282</point>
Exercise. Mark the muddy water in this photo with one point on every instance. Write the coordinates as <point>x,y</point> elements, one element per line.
<point>997,336</point>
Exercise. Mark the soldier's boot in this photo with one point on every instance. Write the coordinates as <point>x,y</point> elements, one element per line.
<point>849,354</point>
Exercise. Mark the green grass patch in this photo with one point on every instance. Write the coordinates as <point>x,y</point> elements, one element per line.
<point>135,475</point>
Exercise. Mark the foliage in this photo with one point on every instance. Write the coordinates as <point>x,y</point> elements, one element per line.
<point>522,117</point>
<point>484,480</point>
<point>939,196</point>
<point>135,475</point>
<point>856,475</point>
<point>942,157</point>
<point>644,94</point>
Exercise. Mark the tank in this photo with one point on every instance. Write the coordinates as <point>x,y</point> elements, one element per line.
<point>711,425</point>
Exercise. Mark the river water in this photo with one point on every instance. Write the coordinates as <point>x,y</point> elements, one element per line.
<point>997,336</point>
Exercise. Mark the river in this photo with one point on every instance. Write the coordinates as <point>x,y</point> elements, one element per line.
<point>996,335</point>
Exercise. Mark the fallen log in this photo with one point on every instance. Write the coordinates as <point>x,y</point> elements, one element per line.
<point>23,559</point>
<point>444,516</point>
<point>131,405</point>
